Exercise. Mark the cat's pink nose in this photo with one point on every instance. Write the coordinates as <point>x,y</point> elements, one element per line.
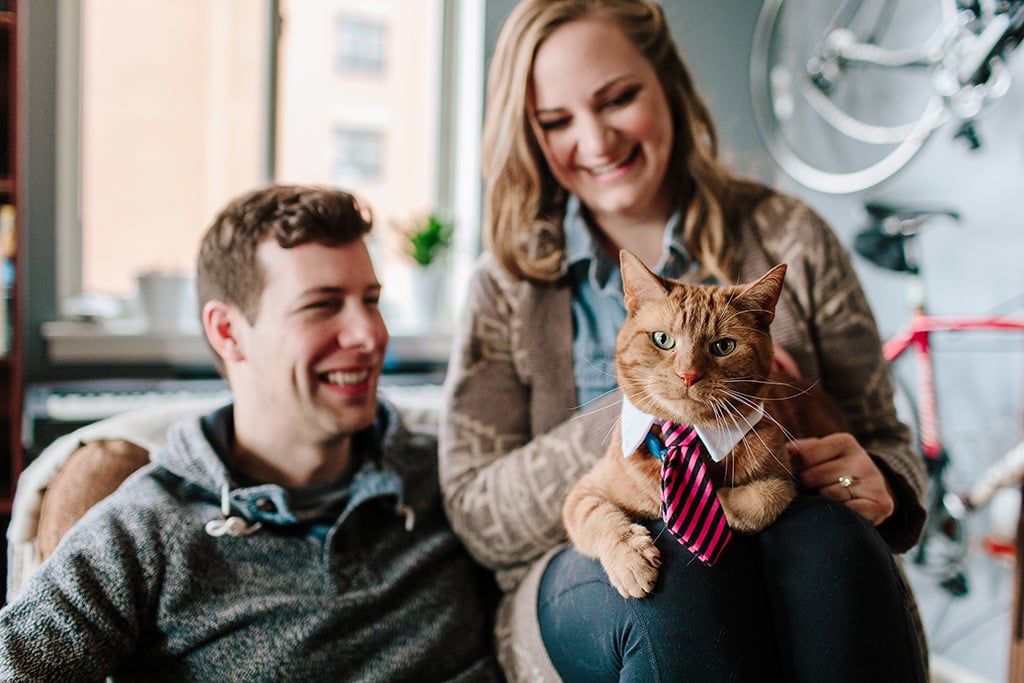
<point>690,378</point>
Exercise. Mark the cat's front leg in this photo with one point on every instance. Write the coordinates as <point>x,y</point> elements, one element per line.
<point>601,529</point>
<point>750,508</point>
<point>625,550</point>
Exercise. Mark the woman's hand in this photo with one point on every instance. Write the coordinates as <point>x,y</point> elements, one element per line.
<point>837,467</point>
<point>784,362</point>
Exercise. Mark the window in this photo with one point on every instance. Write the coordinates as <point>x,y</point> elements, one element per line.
<point>153,145</point>
<point>361,45</point>
<point>357,155</point>
<point>163,142</point>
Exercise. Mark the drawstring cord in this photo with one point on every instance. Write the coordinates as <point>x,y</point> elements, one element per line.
<point>228,524</point>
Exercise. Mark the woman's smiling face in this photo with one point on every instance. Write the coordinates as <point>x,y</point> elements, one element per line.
<point>602,121</point>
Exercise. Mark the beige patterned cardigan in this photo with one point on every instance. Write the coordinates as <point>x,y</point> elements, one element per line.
<point>513,440</point>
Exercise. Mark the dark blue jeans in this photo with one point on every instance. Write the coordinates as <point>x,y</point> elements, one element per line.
<point>815,597</point>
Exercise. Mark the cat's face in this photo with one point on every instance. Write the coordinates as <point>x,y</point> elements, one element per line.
<point>694,353</point>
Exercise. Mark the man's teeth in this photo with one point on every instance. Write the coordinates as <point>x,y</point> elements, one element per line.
<point>344,378</point>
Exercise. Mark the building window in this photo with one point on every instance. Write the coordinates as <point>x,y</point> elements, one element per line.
<point>361,45</point>
<point>357,156</point>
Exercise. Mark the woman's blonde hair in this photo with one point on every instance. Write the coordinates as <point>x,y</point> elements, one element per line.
<point>524,203</point>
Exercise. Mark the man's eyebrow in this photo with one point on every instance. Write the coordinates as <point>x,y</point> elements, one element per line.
<point>339,289</point>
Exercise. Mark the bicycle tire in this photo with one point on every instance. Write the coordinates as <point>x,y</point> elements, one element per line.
<point>775,104</point>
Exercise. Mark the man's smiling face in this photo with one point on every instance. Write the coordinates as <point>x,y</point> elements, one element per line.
<point>315,351</point>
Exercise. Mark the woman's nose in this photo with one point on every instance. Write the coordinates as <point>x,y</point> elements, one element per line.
<point>594,136</point>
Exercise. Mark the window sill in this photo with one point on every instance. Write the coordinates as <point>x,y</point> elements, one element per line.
<point>121,341</point>
<point>128,341</point>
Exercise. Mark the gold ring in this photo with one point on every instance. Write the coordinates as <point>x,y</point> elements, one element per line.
<point>846,481</point>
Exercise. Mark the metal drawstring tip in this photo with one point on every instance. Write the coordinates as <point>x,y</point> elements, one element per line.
<point>228,524</point>
<point>409,513</point>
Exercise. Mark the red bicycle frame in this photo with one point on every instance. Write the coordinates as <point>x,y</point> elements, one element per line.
<point>917,334</point>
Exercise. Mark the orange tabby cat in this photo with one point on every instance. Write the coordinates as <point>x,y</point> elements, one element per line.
<point>699,355</point>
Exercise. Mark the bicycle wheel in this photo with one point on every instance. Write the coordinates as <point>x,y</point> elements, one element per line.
<point>842,91</point>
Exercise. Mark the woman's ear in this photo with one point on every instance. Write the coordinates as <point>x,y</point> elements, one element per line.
<point>223,325</point>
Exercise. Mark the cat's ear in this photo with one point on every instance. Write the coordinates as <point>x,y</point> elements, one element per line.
<point>762,296</point>
<point>638,283</point>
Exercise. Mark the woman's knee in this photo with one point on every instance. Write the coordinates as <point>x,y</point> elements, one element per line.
<point>817,524</point>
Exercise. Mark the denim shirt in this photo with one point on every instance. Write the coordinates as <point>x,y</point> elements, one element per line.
<point>598,309</point>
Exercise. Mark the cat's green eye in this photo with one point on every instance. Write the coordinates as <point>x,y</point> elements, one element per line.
<point>663,340</point>
<point>723,347</point>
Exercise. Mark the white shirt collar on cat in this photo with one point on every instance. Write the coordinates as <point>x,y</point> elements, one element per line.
<point>719,441</point>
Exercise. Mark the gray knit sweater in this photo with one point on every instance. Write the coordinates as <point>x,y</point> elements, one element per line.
<point>140,590</point>
<point>514,438</point>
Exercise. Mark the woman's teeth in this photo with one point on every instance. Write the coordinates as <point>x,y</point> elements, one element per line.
<point>598,170</point>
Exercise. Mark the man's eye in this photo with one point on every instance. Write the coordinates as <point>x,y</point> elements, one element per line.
<point>663,340</point>
<point>321,305</point>
<point>723,347</point>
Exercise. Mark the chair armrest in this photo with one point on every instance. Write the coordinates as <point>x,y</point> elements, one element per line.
<point>90,474</point>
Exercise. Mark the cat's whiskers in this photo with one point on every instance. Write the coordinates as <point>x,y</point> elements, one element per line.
<point>597,398</point>
<point>765,445</point>
<point>612,422</point>
<point>798,391</point>
<point>724,410</point>
<point>649,402</point>
<point>788,435</point>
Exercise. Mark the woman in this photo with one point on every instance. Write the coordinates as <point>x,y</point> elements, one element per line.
<point>595,140</point>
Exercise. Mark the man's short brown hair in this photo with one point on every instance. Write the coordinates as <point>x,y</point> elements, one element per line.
<point>227,268</point>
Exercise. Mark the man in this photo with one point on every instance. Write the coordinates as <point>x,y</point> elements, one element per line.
<point>296,534</point>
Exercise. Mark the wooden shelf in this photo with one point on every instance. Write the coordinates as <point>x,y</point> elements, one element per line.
<point>11,460</point>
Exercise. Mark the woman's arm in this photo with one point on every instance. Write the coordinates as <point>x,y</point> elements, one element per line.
<point>848,352</point>
<point>513,440</point>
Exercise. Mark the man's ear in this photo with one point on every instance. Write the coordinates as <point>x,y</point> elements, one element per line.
<point>223,325</point>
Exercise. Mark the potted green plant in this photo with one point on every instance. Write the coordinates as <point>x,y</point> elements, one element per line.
<point>424,239</point>
<point>428,238</point>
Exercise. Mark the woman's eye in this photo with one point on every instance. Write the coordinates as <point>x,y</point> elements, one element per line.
<point>553,124</point>
<point>723,347</point>
<point>663,340</point>
<point>622,98</point>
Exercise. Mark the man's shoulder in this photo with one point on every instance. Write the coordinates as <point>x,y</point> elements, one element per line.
<point>408,434</point>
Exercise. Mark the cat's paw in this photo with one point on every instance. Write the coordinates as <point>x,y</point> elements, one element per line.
<point>632,565</point>
<point>750,508</point>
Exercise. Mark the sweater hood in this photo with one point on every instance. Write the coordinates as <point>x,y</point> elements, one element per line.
<point>190,455</point>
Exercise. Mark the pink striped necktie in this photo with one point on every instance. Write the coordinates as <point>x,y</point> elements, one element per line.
<point>689,506</point>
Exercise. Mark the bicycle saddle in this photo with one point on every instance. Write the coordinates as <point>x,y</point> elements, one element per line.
<point>904,219</point>
<point>885,240</point>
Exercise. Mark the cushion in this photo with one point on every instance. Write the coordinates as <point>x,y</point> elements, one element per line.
<point>91,473</point>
